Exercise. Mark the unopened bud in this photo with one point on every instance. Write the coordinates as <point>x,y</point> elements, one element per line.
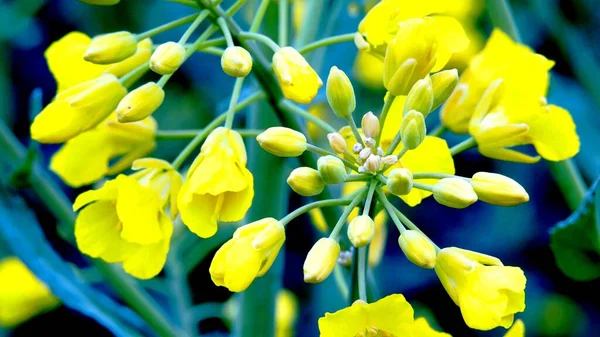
<point>420,97</point>
<point>356,148</point>
<point>331,169</point>
<point>400,181</point>
<point>370,125</point>
<point>321,260</point>
<point>390,160</point>
<point>370,142</point>
<point>337,142</point>
<point>373,163</point>
<point>282,142</point>
<point>498,189</point>
<point>167,58</point>
<point>236,62</point>
<point>443,84</point>
<point>340,93</point>
<point>306,181</point>
<point>417,248</point>
<point>361,231</point>
<point>364,154</point>
<point>272,233</point>
<point>111,48</point>
<point>454,192</point>
<point>413,129</point>
<point>140,103</point>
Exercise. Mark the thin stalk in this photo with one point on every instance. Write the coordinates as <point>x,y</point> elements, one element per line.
<point>190,3</point>
<point>438,131</point>
<point>340,223</point>
<point>212,51</point>
<point>203,14</point>
<point>358,177</point>
<point>323,152</point>
<point>389,208</point>
<point>226,32</point>
<point>354,129</point>
<point>235,96</point>
<point>166,27</point>
<point>395,142</point>
<point>411,225</point>
<point>294,109</point>
<point>259,15</point>
<point>317,204</point>
<point>261,38</point>
<point>283,22</point>
<point>369,198</point>
<point>129,79</point>
<point>384,112</point>
<point>424,187</point>
<point>427,175</point>
<point>327,42</point>
<point>463,146</point>
<point>186,134</point>
<point>362,272</point>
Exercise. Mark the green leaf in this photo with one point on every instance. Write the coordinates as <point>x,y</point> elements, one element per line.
<point>575,241</point>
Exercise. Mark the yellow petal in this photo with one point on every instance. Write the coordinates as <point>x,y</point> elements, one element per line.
<point>243,263</point>
<point>391,314</point>
<point>517,330</point>
<point>236,204</point>
<point>98,233</point>
<point>421,328</point>
<point>553,134</point>
<point>107,192</point>
<point>218,265</point>
<point>138,208</point>
<point>346,322</point>
<point>199,212</point>
<point>393,121</point>
<point>451,39</point>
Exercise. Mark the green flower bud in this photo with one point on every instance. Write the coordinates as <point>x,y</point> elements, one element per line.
<point>413,129</point>
<point>340,93</point>
<point>443,84</point>
<point>400,181</point>
<point>420,97</point>
<point>306,181</point>
<point>331,169</point>
<point>454,192</point>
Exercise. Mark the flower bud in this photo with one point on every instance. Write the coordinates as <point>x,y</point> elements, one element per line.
<point>364,154</point>
<point>370,125</point>
<point>298,81</point>
<point>373,163</point>
<point>400,181</point>
<point>443,84</point>
<point>417,248</point>
<point>306,181</point>
<point>282,142</point>
<point>357,148</point>
<point>111,48</point>
<point>370,142</point>
<point>337,142</point>
<point>167,58</point>
<point>101,2</point>
<point>413,129</point>
<point>340,93</point>
<point>331,169</point>
<point>236,62</point>
<point>321,260</point>
<point>420,97</point>
<point>498,190</point>
<point>390,160</point>
<point>454,192</point>
<point>271,234</point>
<point>361,230</point>
<point>140,103</point>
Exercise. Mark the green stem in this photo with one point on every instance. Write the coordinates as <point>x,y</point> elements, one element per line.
<point>395,142</point>
<point>166,26</point>
<point>463,146</point>
<point>326,42</point>
<point>342,220</point>
<point>362,272</point>
<point>323,152</point>
<point>340,281</point>
<point>424,187</point>
<point>358,177</point>
<point>212,50</point>
<point>283,22</point>
<point>438,131</point>
<point>372,184</point>
<point>261,38</point>
<point>259,15</point>
<point>294,109</point>
<point>427,175</point>
<point>311,21</point>
<point>194,143</point>
<point>502,18</point>
<point>129,79</point>
<point>389,208</point>
<point>193,26</point>
<point>186,134</point>
<point>235,96</point>
<point>207,310</point>
<point>317,204</point>
<point>226,32</point>
<point>354,129</point>
<point>190,3</point>
<point>384,112</point>
<point>179,292</point>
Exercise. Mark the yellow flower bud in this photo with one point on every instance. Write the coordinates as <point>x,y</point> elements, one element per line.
<point>420,97</point>
<point>337,142</point>
<point>321,260</point>
<point>498,190</point>
<point>272,232</point>
<point>400,181</point>
<point>101,2</point>
<point>373,163</point>
<point>413,129</point>
<point>236,62</point>
<point>298,81</point>
<point>140,103</point>
<point>167,58</point>
<point>340,93</point>
<point>306,181</point>
<point>111,48</point>
<point>418,249</point>
<point>370,125</point>
<point>443,84</point>
<point>282,142</point>
<point>331,169</point>
<point>454,192</point>
<point>361,230</point>
<point>410,55</point>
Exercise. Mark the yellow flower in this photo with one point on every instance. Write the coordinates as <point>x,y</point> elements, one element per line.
<point>22,295</point>
<point>77,109</point>
<point>488,293</point>
<point>219,187</point>
<point>248,255</point>
<point>90,156</point>
<point>382,22</point>
<point>368,70</point>
<point>286,313</point>
<point>297,79</point>
<point>125,221</point>
<point>390,316</point>
<point>65,60</point>
<point>517,330</point>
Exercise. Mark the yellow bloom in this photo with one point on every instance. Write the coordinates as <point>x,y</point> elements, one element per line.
<point>390,316</point>
<point>517,330</point>
<point>488,293</point>
<point>297,79</point>
<point>90,156</point>
<point>65,60</point>
<point>248,255</point>
<point>22,295</point>
<point>125,221</point>
<point>286,313</point>
<point>77,109</point>
<point>219,187</point>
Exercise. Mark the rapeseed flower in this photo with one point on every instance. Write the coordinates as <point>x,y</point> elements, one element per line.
<point>297,78</point>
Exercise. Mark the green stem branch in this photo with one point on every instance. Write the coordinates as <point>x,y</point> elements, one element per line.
<point>463,146</point>
<point>326,42</point>
<point>166,27</point>
<point>308,207</point>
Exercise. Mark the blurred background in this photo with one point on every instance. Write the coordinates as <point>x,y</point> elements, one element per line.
<point>566,31</point>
